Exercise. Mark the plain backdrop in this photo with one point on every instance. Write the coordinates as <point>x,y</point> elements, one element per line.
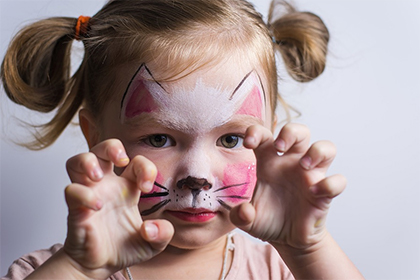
<point>367,102</point>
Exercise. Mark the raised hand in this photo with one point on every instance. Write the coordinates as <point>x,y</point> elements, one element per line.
<point>293,193</point>
<point>105,229</point>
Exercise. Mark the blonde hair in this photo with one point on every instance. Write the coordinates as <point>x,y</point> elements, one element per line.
<point>181,35</point>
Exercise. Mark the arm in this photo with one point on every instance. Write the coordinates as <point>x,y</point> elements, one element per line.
<point>291,201</point>
<point>58,266</point>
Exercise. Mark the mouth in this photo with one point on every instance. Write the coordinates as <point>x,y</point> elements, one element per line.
<point>193,215</point>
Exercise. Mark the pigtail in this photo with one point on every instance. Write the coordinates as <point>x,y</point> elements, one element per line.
<point>36,74</point>
<point>302,40</point>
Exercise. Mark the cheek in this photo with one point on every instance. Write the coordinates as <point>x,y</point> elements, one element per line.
<point>158,193</point>
<point>239,182</point>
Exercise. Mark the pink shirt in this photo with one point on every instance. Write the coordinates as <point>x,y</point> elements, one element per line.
<point>251,260</point>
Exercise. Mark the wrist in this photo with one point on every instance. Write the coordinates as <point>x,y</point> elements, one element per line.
<point>301,256</point>
<point>321,260</point>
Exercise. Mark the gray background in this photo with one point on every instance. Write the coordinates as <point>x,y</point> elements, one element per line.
<point>367,102</point>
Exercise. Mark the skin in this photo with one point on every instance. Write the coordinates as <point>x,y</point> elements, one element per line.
<point>94,249</point>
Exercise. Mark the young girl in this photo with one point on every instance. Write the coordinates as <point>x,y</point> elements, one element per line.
<point>177,102</point>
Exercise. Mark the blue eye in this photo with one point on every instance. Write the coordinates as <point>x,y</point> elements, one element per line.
<point>230,141</point>
<point>159,141</point>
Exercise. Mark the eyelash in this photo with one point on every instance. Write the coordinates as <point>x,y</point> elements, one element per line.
<point>235,141</point>
<point>149,139</point>
<point>238,139</point>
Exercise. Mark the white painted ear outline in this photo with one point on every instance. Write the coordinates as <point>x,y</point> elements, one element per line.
<point>142,73</point>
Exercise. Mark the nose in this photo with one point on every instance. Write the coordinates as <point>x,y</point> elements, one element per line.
<point>193,183</point>
<point>195,169</point>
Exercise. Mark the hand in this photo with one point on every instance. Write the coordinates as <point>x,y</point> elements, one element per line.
<point>293,194</point>
<point>105,229</point>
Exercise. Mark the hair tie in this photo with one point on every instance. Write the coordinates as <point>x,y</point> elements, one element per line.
<point>81,27</point>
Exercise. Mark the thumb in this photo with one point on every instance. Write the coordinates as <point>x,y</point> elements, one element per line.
<point>158,233</point>
<point>243,216</point>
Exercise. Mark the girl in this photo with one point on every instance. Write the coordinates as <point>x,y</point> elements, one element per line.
<point>176,100</point>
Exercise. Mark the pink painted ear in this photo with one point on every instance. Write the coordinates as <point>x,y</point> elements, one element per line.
<point>137,98</point>
<point>253,104</point>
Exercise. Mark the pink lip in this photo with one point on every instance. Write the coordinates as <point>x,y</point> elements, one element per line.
<point>193,215</point>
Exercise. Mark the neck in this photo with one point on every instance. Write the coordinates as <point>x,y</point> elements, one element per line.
<point>198,263</point>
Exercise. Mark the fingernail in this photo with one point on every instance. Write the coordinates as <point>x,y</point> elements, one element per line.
<point>281,145</point>
<point>147,186</point>
<point>313,190</point>
<point>97,173</point>
<point>151,230</point>
<point>99,205</point>
<point>306,162</point>
<point>123,158</point>
<point>250,140</point>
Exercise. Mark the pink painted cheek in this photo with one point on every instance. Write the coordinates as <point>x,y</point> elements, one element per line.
<point>158,193</point>
<point>238,182</point>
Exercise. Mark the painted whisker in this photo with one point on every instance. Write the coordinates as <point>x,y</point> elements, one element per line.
<point>160,186</point>
<point>224,204</point>
<point>233,196</point>
<point>231,186</point>
<point>154,194</point>
<point>155,207</point>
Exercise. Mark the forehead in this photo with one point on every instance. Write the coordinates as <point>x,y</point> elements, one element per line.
<point>203,99</point>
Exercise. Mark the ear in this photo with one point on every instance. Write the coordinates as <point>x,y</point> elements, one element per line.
<point>89,127</point>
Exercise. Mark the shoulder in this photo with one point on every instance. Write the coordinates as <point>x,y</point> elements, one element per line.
<point>26,264</point>
<point>254,259</point>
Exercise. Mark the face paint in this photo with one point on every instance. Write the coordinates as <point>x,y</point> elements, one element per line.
<point>254,104</point>
<point>196,110</point>
<point>237,187</point>
<point>238,183</point>
<point>200,109</point>
<point>137,98</point>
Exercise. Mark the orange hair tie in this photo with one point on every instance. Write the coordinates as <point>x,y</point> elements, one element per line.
<point>81,27</point>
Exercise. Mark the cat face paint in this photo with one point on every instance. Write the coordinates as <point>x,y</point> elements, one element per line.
<point>205,177</point>
<point>198,193</point>
<point>200,109</point>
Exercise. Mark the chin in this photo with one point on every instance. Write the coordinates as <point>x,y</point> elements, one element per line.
<point>198,237</point>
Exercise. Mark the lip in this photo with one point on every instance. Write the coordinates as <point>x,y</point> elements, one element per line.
<point>193,215</point>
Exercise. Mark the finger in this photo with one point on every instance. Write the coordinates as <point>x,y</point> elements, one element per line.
<point>320,155</point>
<point>293,138</point>
<point>243,216</point>
<point>329,187</point>
<point>158,233</point>
<point>79,196</point>
<point>141,171</point>
<point>84,168</point>
<point>111,151</point>
<point>260,139</point>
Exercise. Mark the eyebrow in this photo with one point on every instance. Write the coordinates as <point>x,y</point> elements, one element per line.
<point>142,120</point>
<point>237,121</point>
<point>240,121</point>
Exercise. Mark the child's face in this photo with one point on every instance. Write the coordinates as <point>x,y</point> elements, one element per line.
<point>192,129</point>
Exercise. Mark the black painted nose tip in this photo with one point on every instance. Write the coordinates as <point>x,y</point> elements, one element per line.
<point>193,183</point>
